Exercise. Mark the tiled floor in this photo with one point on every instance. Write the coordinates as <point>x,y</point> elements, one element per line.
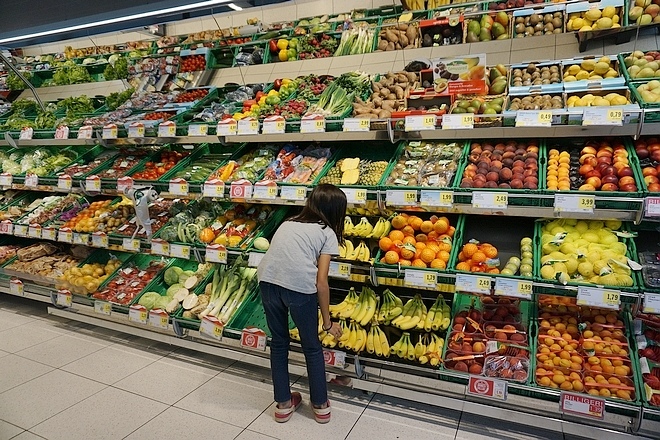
<point>64,380</point>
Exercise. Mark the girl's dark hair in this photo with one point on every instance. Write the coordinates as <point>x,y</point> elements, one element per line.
<point>326,205</point>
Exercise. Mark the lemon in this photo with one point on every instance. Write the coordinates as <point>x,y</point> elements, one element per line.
<point>582,226</point>
<point>609,12</point>
<point>586,269</point>
<point>571,265</point>
<point>547,273</point>
<point>591,237</point>
<point>593,256</point>
<point>549,248</point>
<point>568,248</point>
<point>559,267</point>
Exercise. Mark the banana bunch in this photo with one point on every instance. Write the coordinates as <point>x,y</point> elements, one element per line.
<point>353,338</point>
<point>345,309</point>
<point>382,228</point>
<point>438,316</point>
<point>330,341</point>
<point>359,253</point>
<point>366,308</point>
<point>434,4</point>
<point>413,5</point>
<point>404,348</point>
<point>377,342</point>
<point>294,334</point>
<point>349,227</point>
<point>430,345</point>
<point>390,308</point>
<point>362,229</point>
<point>413,315</point>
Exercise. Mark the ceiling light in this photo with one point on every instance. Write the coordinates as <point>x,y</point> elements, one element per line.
<point>234,7</point>
<point>202,4</point>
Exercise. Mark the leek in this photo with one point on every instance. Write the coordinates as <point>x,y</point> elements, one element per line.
<point>218,275</point>
<point>248,275</point>
<point>233,281</point>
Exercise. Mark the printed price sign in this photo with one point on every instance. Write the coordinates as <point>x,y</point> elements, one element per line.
<point>458,121</point>
<point>339,270</point>
<point>160,247</point>
<point>31,180</point>
<point>395,197</point>
<point>248,126</point>
<point>213,188</point>
<point>138,314</point>
<point>136,130</point>
<point>178,187</point>
<point>652,206</point>
<point>100,239</point>
<point>252,337</point>
<point>513,288</point>
<point>198,130</point>
<point>211,327</point>
<point>651,303</point>
<point>357,124</point>
<point>240,189</point>
<point>64,182</point>
<point>490,200</point>
<point>21,230</point>
<point>109,132</point>
<point>575,203</point>
<point>334,358</point>
<point>167,129</point>
<point>48,233</point>
<point>80,238</point>
<point>436,199</point>
<point>123,184</point>
<point>473,284</point>
<point>6,179</point>
<point>131,244</point>
<point>533,118</point>
<point>65,235</point>
<point>64,298</point>
<point>62,132</point>
<point>16,287</point>
<point>582,405</point>
<point>273,125</point>
<point>293,193</point>
<point>355,196</point>
<point>26,133</point>
<point>102,307</point>
<point>485,387</point>
<point>6,227</point>
<point>227,127</point>
<point>265,190</point>
<point>312,124</point>
<point>85,132</point>
<point>159,319</point>
<point>602,116</point>
<point>180,251</point>
<point>93,184</point>
<point>420,122</point>
<point>34,231</point>
<point>254,258</point>
<point>602,298</point>
<point>216,253</point>
<point>420,278</point>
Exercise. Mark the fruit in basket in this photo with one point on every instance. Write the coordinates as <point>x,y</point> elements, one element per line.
<point>642,65</point>
<point>353,171</point>
<point>87,279</point>
<point>478,106</point>
<point>591,100</point>
<point>532,75</point>
<point>644,12</point>
<point>650,91</point>
<point>102,216</point>
<point>496,80</point>
<point>648,151</point>
<point>594,19</point>
<point>590,69</point>
<point>539,24</point>
<point>502,165</point>
<point>493,26</point>
<point>536,102</point>
<point>478,257</point>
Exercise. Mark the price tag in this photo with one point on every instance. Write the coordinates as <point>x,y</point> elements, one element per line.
<point>254,258</point>
<point>395,197</point>
<point>513,288</point>
<point>21,230</point>
<point>64,298</point>
<point>65,235</point>
<point>490,200</point>
<point>227,127</point>
<point>180,251</point>
<point>93,184</point>
<point>254,338</point>
<point>293,193</point>
<point>357,124</point>
<point>248,126</point>
<point>31,180</point>
<point>420,278</point>
<point>64,182</point>
<point>211,327</point>
<point>136,130</point>
<point>575,203</point>
<point>79,238</point>
<point>439,199</point>
<point>265,190</point>
<point>6,179</point>
<point>486,387</point>
<point>420,122</point>
<point>355,196</point>
<point>602,116</point>
<point>334,358</point>
<point>16,287</point>
<point>651,303</point>
<point>652,206</point>
<point>103,307</point>
<point>463,121</point>
<point>582,405</point>
<point>109,132</point>
<point>339,270</point>
<point>213,188</point>
<point>312,124</point>
<point>131,244</point>
<point>85,132</point>
<point>198,130</point>
<point>473,284</point>
<point>159,319</point>
<point>123,184</point>
<point>167,129</point>
<point>48,233</point>
<point>601,298</point>
<point>533,118</point>
<point>26,133</point>
<point>34,231</point>
<point>6,227</point>
<point>160,247</point>
<point>273,125</point>
<point>216,253</point>
<point>62,132</point>
<point>178,187</point>
<point>240,189</point>
<point>138,314</point>
<point>100,239</point>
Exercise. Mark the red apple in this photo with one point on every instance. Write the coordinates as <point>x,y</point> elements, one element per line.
<point>610,178</point>
<point>593,173</point>
<point>629,187</point>
<point>650,179</point>
<point>626,172</point>
<point>594,181</point>
<point>609,187</point>
<point>649,171</point>
<point>604,159</point>
<point>608,171</point>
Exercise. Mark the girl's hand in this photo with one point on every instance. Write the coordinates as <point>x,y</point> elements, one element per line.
<point>335,330</point>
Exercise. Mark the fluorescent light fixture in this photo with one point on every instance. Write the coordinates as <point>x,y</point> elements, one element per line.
<point>234,7</point>
<point>198,5</point>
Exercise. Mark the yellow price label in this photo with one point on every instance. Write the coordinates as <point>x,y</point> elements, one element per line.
<point>301,192</point>
<point>360,195</point>
<point>586,202</point>
<point>446,197</point>
<point>430,278</point>
<point>611,298</point>
<point>280,125</point>
<point>222,255</point>
<point>343,269</point>
<point>501,199</point>
<point>272,191</point>
<point>254,125</point>
<point>614,115</point>
<point>143,315</point>
<point>365,123</point>
<point>483,283</point>
<point>428,121</point>
<point>525,287</point>
<point>167,130</point>
<point>467,120</point>
<point>410,196</point>
<point>544,117</point>
<point>319,124</point>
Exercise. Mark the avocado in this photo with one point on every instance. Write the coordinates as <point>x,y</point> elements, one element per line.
<point>484,35</point>
<point>427,41</point>
<point>474,27</point>
<point>498,30</point>
<point>472,38</point>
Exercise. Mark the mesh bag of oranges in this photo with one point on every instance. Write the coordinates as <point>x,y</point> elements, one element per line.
<point>478,257</point>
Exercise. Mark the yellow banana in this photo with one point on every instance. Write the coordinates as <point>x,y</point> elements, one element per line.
<point>370,341</point>
<point>384,343</point>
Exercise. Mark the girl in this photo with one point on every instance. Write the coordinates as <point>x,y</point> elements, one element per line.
<point>293,278</point>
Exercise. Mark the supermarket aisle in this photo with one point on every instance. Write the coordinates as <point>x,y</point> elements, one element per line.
<point>63,380</point>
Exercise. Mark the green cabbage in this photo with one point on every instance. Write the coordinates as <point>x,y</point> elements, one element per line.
<point>172,275</point>
<point>149,300</point>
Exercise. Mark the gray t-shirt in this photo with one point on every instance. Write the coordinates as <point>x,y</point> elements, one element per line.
<point>291,261</point>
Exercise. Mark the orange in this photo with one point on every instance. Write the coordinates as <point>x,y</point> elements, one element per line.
<point>407,253</point>
<point>391,257</point>
<point>441,226</point>
<point>463,266</point>
<point>445,246</point>
<point>427,255</point>
<point>421,237</point>
<point>408,230</point>
<point>409,240</point>
<point>415,222</point>
<point>438,264</point>
<point>433,246</point>
<point>451,231</point>
<point>404,262</point>
<point>490,251</point>
<point>396,246</point>
<point>469,249</point>
<point>461,256</point>
<point>399,222</point>
<point>479,257</point>
<point>419,245</point>
<point>478,269</point>
<point>494,270</point>
<point>432,235</point>
<point>418,263</point>
<point>443,255</point>
<point>426,226</point>
<point>385,244</point>
<point>396,235</point>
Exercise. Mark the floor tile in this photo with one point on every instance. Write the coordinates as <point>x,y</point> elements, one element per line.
<point>177,423</point>
<point>176,379</point>
<point>27,435</point>
<point>12,319</point>
<point>110,414</point>
<point>475,427</point>
<point>203,360</point>
<point>111,364</point>
<point>60,351</point>
<point>252,435</point>
<point>7,430</point>
<point>15,370</point>
<point>236,400</point>
<point>33,402</point>
<point>24,336</point>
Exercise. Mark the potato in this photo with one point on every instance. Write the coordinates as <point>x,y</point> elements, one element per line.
<point>384,114</point>
<point>411,33</point>
<point>382,45</point>
<point>402,26</point>
<point>390,46</point>
<point>403,39</point>
<point>391,36</point>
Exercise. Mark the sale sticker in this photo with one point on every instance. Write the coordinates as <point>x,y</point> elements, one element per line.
<point>339,270</point>
<point>356,124</point>
<point>6,227</point>
<point>240,190</point>
<point>486,387</point>
<point>355,196</point>
<point>473,284</point>
<point>211,327</point>
<point>198,130</point>
<point>167,129</point>
<point>123,184</point>
<point>138,314</point>
<point>652,206</point>
<point>596,297</point>
<point>62,132</point>
<point>575,203</point>
<point>582,405</point>
<point>420,278</point>
<point>396,197</point>
<point>216,253</point>
<point>490,200</point>
<point>253,337</point>
<point>334,358</point>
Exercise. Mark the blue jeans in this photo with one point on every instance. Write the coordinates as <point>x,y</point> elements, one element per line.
<point>278,302</point>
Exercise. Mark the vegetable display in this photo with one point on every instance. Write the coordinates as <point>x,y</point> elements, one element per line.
<point>70,73</point>
<point>227,291</point>
<point>129,282</point>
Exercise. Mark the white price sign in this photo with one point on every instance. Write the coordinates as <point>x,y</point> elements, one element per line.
<point>49,233</point>
<point>473,284</point>
<point>198,130</point>
<point>420,278</point>
<point>62,132</point>
<point>6,179</point>
<point>159,319</point>
<point>80,238</point>
<point>602,116</point>
<point>64,182</point>
<point>396,197</point>
<point>248,126</point>
<point>211,327</point>
<point>85,132</point>
<point>131,244</point>
<point>273,125</point>
<point>167,129</point>
<point>490,200</point>
<point>34,231</point>
<point>334,358</point>
<point>216,253</point>
<point>653,206</point>
<point>227,127</point>
<point>264,191</point>
<point>100,240</point>
<point>355,196</point>
<point>339,270</point>
<point>21,230</point>
<point>436,199</point>
<point>136,130</point>
<point>160,247</point>
<point>103,307</point>
<point>463,121</point>
<point>180,251</point>
<point>64,298</point>
<point>601,298</point>
<point>254,338</point>
<point>138,314</point>
<point>312,124</point>
<point>575,203</point>
<point>214,188</point>
<point>16,287</point>
<point>651,303</point>
<point>31,180</point>
<point>293,193</point>
<point>7,227</point>
<point>109,132</point>
<point>93,184</point>
<point>65,235</point>
<point>124,183</point>
<point>26,133</point>
<point>178,187</point>
<point>533,118</point>
<point>254,258</point>
<point>420,122</point>
<point>357,124</point>
<point>514,288</point>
